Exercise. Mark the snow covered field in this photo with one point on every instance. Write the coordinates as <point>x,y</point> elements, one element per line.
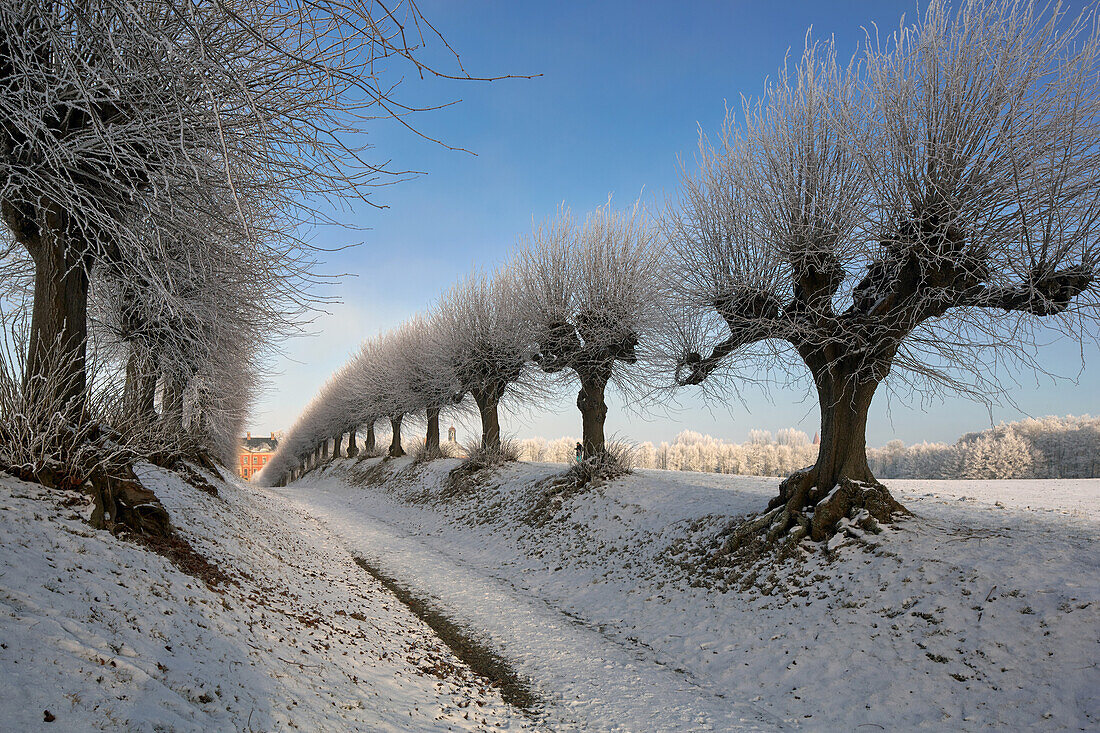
<point>103,635</point>
<point>981,611</point>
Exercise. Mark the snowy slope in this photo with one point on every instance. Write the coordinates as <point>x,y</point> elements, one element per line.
<point>106,635</point>
<point>971,614</point>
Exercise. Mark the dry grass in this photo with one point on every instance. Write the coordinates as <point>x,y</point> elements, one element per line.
<point>421,453</point>
<point>617,459</point>
<point>372,475</point>
<point>479,457</point>
<point>614,461</point>
<point>478,464</point>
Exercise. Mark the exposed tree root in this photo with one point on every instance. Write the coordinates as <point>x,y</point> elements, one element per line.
<point>804,511</point>
<point>123,503</point>
<point>185,465</point>
<point>120,501</point>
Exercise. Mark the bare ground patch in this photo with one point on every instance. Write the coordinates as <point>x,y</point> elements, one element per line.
<point>514,688</point>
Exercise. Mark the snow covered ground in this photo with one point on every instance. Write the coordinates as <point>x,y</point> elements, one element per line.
<point>99,634</point>
<point>983,610</point>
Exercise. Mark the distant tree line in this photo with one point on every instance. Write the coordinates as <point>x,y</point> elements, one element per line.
<point>761,455</point>
<point>1049,447</point>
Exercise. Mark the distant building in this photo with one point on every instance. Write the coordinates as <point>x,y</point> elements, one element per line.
<point>451,434</point>
<point>817,438</point>
<point>255,453</point>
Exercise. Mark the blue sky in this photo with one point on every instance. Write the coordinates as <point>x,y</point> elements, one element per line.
<point>624,91</point>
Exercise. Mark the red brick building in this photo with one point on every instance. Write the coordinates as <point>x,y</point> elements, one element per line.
<point>255,453</point>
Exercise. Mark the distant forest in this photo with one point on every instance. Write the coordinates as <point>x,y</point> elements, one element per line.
<point>1048,447</point>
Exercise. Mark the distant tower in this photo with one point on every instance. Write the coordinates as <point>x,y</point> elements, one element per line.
<point>451,434</point>
<point>817,438</point>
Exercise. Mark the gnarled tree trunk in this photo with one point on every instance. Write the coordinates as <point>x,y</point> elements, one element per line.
<point>844,405</point>
<point>840,484</point>
<point>139,393</point>
<point>487,402</point>
<point>353,449</point>
<point>396,451</point>
<point>55,375</point>
<point>324,450</point>
<point>431,440</point>
<point>593,407</point>
<point>175,382</point>
<point>197,423</point>
<point>369,442</point>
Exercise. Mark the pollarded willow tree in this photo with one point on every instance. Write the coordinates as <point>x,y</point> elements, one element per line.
<point>106,109</point>
<point>346,421</point>
<point>590,291</point>
<point>485,344</point>
<point>299,448</point>
<point>397,375</point>
<point>391,371</point>
<point>365,388</point>
<point>916,216</point>
<point>426,381</point>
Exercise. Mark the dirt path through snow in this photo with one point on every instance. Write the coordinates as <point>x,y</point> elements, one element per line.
<point>592,682</point>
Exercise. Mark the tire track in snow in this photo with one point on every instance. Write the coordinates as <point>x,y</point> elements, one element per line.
<point>590,681</point>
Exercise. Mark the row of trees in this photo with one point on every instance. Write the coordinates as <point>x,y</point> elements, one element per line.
<point>159,163</point>
<point>571,308</point>
<point>1045,448</point>
<point>910,218</point>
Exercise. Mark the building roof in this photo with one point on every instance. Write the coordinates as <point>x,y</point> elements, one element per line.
<point>262,445</point>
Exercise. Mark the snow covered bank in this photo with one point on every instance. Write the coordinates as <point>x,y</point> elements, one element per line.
<point>982,610</point>
<point>105,635</point>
